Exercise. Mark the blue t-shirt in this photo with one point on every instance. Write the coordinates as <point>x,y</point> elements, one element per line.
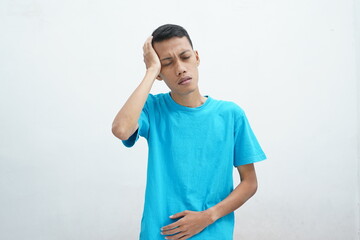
<point>192,152</point>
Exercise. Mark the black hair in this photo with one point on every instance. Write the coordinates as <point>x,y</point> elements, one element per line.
<point>168,31</point>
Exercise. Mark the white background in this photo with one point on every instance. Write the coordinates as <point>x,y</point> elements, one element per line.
<point>67,67</point>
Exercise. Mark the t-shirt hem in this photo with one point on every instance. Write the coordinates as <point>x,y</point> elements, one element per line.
<point>132,139</point>
<point>253,159</point>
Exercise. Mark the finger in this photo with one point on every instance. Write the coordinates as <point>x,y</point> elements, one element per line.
<point>178,236</point>
<point>173,231</point>
<point>145,46</point>
<point>147,41</point>
<point>180,214</point>
<point>185,237</point>
<point>171,226</point>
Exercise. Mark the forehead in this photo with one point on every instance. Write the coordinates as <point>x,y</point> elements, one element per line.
<point>172,45</point>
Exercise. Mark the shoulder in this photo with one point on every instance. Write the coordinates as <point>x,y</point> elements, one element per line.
<point>229,106</point>
<point>155,102</point>
<point>153,98</point>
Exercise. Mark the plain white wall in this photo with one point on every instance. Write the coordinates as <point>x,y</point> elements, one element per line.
<point>67,67</point>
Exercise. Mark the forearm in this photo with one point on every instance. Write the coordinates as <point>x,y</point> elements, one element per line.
<point>244,191</point>
<point>126,119</point>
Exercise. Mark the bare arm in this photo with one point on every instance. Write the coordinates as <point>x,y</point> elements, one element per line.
<point>193,222</point>
<point>126,120</point>
<point>245,190</point>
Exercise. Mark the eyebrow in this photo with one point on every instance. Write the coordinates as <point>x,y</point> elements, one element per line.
<point>169,58</point>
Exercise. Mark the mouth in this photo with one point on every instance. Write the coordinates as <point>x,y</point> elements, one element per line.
<point>184,80</point>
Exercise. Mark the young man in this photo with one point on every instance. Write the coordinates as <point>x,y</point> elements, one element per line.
<point>194,141</point>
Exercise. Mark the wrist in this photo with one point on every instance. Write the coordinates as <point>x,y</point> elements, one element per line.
<point>150,76</point>
<point>212,214</point>
<point>153,71</point>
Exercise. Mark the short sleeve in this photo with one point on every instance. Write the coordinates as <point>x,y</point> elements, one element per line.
<point>143,129</point>
<point>246,148</point>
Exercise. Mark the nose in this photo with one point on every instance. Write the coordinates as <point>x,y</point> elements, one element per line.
<point>180,69</point>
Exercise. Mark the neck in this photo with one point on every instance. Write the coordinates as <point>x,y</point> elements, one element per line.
<point>192,100</point>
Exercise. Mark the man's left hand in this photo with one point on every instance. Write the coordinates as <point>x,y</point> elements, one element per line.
<point>191,223</point>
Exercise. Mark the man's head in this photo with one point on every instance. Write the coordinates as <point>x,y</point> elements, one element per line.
<point>177,57</point>
<point>168,31</point>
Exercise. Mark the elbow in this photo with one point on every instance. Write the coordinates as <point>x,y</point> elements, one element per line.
<point>254,187</point>
<point>251,186</point>
<point>119,133</point>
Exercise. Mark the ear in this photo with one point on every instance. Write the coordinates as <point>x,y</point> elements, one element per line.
<point>197,57</point>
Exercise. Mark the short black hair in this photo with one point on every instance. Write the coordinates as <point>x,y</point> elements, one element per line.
<point>168,31</point>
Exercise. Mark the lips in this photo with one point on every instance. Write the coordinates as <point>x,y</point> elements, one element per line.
<point>184,79</point>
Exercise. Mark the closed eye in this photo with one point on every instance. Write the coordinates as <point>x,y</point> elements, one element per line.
<point>171,62</point>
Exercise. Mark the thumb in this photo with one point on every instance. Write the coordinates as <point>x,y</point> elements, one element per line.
<point>180,214</point>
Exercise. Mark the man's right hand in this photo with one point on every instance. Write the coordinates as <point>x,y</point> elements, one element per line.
<point>151,58</point>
